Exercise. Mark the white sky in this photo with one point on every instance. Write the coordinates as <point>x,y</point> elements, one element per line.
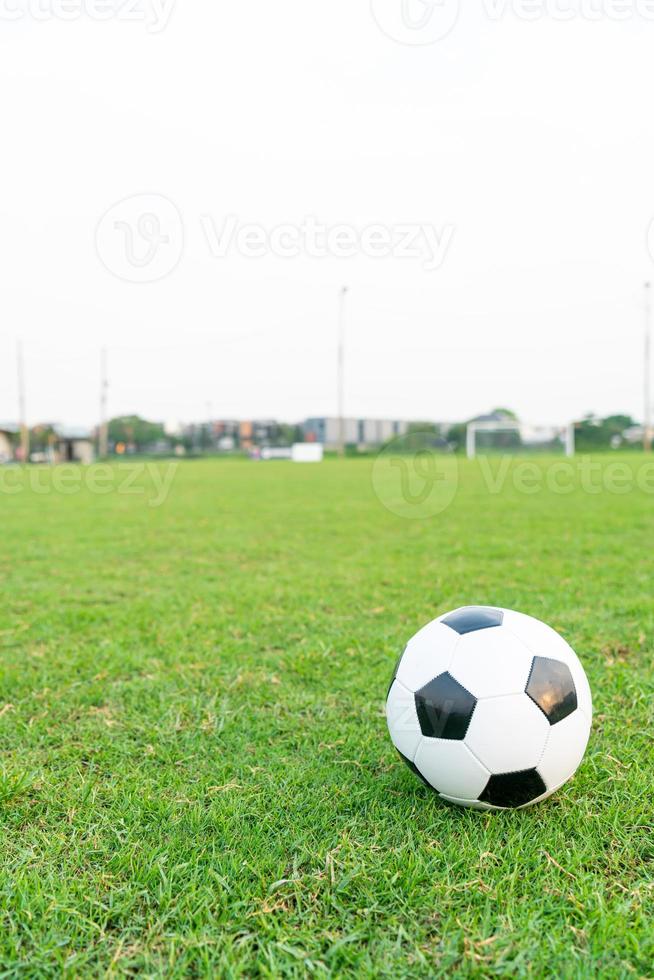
<point>534,140</point>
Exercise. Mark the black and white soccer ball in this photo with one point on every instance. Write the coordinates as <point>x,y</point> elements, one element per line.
<point>490,708</point>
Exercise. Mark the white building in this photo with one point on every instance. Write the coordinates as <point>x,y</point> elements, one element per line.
<point>7,434</point>
<point>73,446</point>
<point>363,433</point>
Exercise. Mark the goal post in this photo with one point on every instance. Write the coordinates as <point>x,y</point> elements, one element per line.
<point>519,437</point>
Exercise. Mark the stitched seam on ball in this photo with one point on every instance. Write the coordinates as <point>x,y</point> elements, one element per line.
<point>452,657</point>
<point>475,756</point>
<point>526,645</point>
<point>542,755</point>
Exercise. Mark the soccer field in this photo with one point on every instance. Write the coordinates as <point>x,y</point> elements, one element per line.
<point>196,773</point>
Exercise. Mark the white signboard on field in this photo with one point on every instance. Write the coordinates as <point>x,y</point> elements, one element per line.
<point>307,452</point>
<point>277,453</point>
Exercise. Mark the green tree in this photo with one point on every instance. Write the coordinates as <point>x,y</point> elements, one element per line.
<point>41,438</point>
<point>135,432</point>
<point>594,433</point>
<point>419,436</point>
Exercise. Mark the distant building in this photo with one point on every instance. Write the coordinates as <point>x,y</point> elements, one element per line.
<point>498,416</point>
<point>246,435</point>
<point>73,445</point>
<point>363,433</point>
<point>8,432</point>
<point>225,435</point>
<point>258,432</point>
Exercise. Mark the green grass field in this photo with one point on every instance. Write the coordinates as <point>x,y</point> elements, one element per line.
<point>196,777</point>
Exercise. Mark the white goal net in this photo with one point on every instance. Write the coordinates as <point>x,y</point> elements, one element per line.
<point>519,437</point>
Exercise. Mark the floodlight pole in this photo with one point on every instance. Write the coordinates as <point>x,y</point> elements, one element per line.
<point>341,371</point>
<point>22,413</point>
<point>103,434</point>
<point>647,424</point>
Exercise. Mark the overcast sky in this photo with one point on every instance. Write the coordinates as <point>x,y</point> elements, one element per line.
<point>489,194</point>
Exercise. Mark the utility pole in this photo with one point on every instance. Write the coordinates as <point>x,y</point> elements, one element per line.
<point>103,433</point>
<point>647,424</point>
<point>341,371</point>
<point>22,414</point>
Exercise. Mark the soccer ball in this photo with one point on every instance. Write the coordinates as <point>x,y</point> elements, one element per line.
<point>490,708</point>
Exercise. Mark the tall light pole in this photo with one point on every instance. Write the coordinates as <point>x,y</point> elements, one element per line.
<point>341,371</point>
<point>647,387</point>
<point>103,434</point>
<point>22,412</point>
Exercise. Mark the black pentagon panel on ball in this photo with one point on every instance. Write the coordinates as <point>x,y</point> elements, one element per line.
<point>513,789</point>
<point>414,769</point>
<point>445,708</point>
<point>474,618</point>
<point>552,688</point>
